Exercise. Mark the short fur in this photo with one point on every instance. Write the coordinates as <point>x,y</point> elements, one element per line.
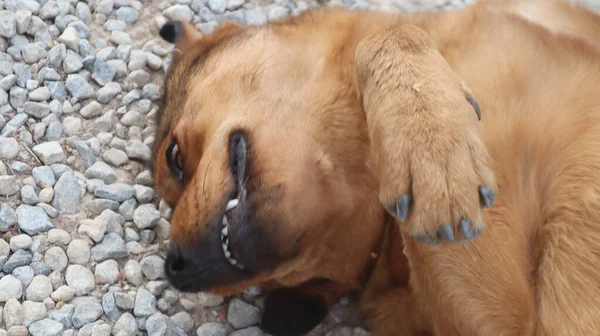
<point>347,111</point>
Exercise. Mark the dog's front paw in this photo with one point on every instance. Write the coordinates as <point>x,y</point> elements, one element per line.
<point>439,184</point>
<point>290,312</point>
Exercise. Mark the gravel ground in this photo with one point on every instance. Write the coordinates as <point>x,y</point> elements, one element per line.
<point>82,229</point>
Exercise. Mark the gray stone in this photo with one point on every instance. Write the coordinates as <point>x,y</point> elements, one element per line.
<point>46,327</point>
<point>124,301</point>
<point>179,13</point>
<point>217,6</point>
<point>49,152</point>
<point>20,242</point>
<point>9,185</point>
<point>63,293</point>
<point>145,303</point>
<point>115,157</point>
<point>212,329</point>
<point>146,216</point>
<point>15,123</point>
<point>17,5</point>
<point>8,24</point>
<point>79,252</point>
<point>98,205</point>
<point>86,312</point>
<point>33,311</point>
<point>139,77</point>
<point>147,236</point>
<point>57,90</point>
<point>54,131</point>
<point>153,267</point>
<point>107,272</point>
<point>32,219</point>
<point>120,38</point>
<point>13,314</point>
<point>49,11</point>
<point>67,194</point>
<point>111,247</point>
<point>102,73</point>
<point>135,149</point>
<point>48,74</point>
<point>63,315</point>
<point>108,92</point>
<point>4,247</point>
<point>91,110</point>
<point>11,288</point>
<point>125,326</point>
<point>105,7</point>
<point>184,321</point>
<point>109,306</point>
<point>33,52</point>
<point>28,195</point>
<point>78,87</point>
<point>133,272</point>
<point>70,38</point>
<point>39,288</point>
<point>83,12</point>
<point>80,279</point>
<point>72,63</point>
<point>23,73</point>
<point>8,81</point>
<point>9,148</point>
<point>160,325</point>
<point>36,110</point>
<point>40,94</point>
<point>25,274</point>
<point>127,14</point>
<point>118,192</point>
<point>104,123</point>
<point>8,218</point>
<point>102,171</point>
<point>46,196</point>
<point>241,314</point>
<point>43,176</point>
<point>72,125</point>
<point>56,258</point>
<point>59,236</point>
<point>40,268</point>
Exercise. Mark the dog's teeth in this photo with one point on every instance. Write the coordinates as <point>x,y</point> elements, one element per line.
<point>225,221</point>
<point>232,204</point>
<point>224,231</point>
<point>232,261</point>
<point>224,246</point>
<point>227,254</point>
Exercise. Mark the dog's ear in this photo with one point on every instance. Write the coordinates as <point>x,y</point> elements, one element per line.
<point>181,33</point>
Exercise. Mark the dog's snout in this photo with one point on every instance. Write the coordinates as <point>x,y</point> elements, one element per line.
<point>174,263</point>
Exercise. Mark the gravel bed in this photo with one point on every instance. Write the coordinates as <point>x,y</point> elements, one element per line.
<point>82,230</point>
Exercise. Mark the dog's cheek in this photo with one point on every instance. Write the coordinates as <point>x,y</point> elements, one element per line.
<point>289,312</point>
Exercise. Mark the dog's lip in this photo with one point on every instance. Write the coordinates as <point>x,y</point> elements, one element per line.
<point>235,205</point>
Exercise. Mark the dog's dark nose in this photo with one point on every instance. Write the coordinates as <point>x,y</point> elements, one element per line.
<point>174,263</point>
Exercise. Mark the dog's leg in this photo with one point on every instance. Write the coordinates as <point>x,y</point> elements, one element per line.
<point>294,311</point>
<point>428,154</point>
<point>434,177</point>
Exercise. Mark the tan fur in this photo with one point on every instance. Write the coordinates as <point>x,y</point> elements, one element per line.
<point>348,110</point>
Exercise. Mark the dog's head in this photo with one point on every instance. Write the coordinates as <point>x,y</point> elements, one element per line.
<point>262,151</point>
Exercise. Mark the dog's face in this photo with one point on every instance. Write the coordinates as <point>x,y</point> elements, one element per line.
<point>262,150</point>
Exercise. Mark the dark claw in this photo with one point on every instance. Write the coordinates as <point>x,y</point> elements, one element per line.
<point>402,206</point>
<point>486,196</point>
<point>446,232</point>
<point>466,229</point>
<point>475,105</point>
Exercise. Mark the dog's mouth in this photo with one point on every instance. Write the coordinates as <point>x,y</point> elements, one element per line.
<point>237,206</point>
<point>225,230</point>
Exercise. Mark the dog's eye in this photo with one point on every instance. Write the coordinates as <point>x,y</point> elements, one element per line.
<point>175,160</point>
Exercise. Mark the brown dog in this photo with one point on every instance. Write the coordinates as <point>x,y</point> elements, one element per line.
<point>342,151</point>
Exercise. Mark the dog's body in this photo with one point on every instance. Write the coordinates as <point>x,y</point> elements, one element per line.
<point>347,112</point>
